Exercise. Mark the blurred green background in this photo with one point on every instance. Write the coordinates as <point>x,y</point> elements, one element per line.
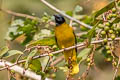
<point>38,8</point>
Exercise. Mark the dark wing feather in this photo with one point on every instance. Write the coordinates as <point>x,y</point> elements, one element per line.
<point>75,40</point>
<point>56,42</point>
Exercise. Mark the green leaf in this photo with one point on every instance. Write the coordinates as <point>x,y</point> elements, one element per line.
<point>117,78</point>
<point>45,41</point>
<point>87,19</point>
<point>19,27</point>
<point>3,51</point>
<point>44,61</point>
<point>12,78</point>
<point>31,54</point>
<point>70,13</point>
<point>91,32</point>
<point>78,9</point>
<point>83,54</point>
<point>35,65</point>
<point>27,39</point>
<point>119,3</point>
<point>11,53</point>
<point>116,20</point>
<point>82,38</point>
<point>82,28</point>
<point>44,33</point>
<point>101,11</point>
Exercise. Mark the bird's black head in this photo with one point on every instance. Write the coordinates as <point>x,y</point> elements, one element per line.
<point>59,19</point>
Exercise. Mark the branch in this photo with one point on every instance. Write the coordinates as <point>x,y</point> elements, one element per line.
<point>57,61</point>
<point>84,75</point>
<point>60,12</point>
<point>61,58</point>
<point>59,51</point>
<point>19,14</point>
<point>116,70</point>
<point>20,70</point>
<point>50,6</point>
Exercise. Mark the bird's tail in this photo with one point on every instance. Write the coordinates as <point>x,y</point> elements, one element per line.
<point>71,59</point>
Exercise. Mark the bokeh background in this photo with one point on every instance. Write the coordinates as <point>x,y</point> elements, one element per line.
<point>36,7</point>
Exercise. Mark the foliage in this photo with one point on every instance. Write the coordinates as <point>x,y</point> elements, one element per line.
<point>38,39</point>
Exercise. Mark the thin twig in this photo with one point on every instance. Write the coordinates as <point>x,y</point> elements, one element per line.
<point>57,61</point>
<point>60,12</point>
<point>19,14</point>
<point>112,54</point>
<point>12,18</point>
<point>70,24</point>
<point>59,51</point>
<point>32,17</point>
<point>46,64</point>
<point>18,58</point>
<point>116,70</point>
<point>84,75</point>
<point>50,6</point>
<point>96,68</point>
<point>8,75</point>
<point>80,34</point>
<point>61,58</point>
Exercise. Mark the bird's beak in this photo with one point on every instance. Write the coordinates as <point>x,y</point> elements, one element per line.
<point>54,15</point>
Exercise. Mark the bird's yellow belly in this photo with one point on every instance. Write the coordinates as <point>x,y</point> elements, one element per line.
<point>64,40</point>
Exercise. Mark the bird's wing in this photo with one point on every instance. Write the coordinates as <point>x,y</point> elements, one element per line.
<point>75,40</point>
<point>56,40</point>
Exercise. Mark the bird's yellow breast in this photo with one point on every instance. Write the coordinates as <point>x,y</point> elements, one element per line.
<point>65,36</point>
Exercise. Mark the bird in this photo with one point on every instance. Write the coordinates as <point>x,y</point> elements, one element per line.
<point>65,37</point>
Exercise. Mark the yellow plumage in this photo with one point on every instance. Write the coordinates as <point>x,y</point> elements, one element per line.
<point>65,38</point>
